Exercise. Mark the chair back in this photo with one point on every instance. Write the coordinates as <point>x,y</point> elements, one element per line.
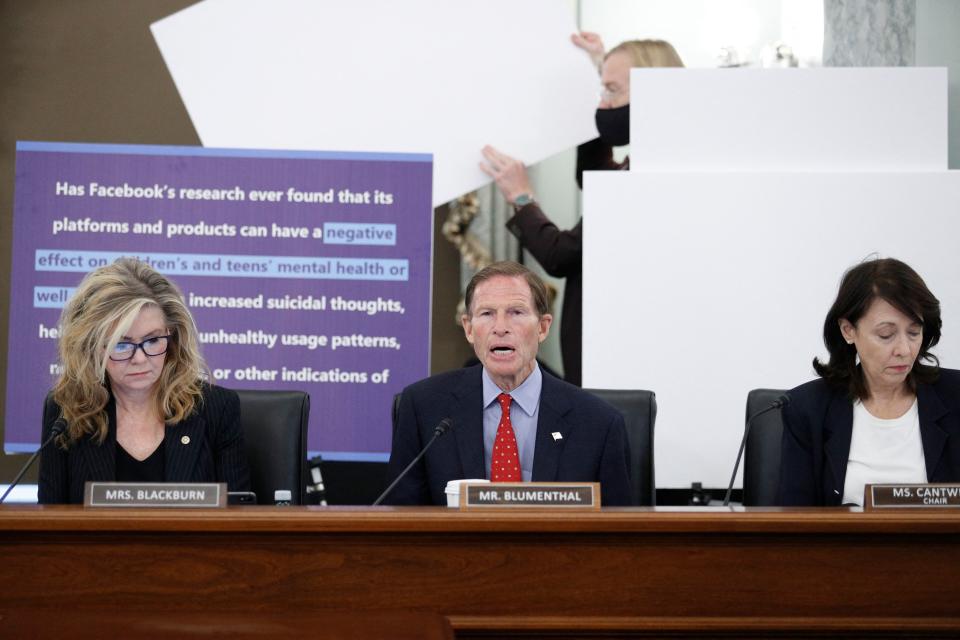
<point>275,437</point>
<point>639,409</point>
<point>761,462</point>
<point>395,412</point>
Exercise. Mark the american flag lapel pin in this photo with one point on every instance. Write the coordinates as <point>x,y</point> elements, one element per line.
<point>557,436</point>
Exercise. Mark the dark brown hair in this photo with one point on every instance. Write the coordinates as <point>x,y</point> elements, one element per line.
<point>511,269</point>
<point>887,279</point>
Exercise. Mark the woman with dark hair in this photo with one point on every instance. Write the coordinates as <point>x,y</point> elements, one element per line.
<point>883,411</point>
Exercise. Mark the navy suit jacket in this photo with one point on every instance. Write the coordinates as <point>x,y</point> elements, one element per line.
<point>818,426</point>
<point>593,448</point>
<point>213,451</point>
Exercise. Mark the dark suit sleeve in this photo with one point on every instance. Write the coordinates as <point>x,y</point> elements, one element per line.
<point>797,480</point>
<point>558,252</point>
<point>230,461</point>
<point>614,473</point>
<point>54,480</point>
<point>414,488</point>
<point>594,155</point>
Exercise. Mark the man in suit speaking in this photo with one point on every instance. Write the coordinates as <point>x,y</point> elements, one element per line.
<point>510,421</point>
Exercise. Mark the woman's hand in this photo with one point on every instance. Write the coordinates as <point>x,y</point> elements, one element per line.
<point>592,44</point>
<point>509,173</point>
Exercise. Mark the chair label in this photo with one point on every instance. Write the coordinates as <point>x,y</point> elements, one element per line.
<point>155,494</point>
<point>912,496</point>
<point>527,495</point>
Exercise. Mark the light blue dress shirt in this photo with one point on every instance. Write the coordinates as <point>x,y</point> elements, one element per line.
<point>524,411</point>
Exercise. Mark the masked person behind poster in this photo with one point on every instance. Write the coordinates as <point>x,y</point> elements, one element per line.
<point>882,411</point>
<point>134,392</point>
<point>559,251</point>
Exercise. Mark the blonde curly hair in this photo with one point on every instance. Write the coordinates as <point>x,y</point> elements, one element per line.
<point>98,315</point>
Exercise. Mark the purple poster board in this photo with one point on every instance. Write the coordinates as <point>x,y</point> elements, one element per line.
<point>303,270</point>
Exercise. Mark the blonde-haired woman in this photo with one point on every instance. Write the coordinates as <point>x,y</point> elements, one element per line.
<point>559,252</point>
<point>133,393</point>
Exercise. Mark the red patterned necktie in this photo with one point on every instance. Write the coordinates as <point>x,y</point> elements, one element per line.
<point>505,465</point>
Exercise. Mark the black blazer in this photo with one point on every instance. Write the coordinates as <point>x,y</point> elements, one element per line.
<point>593,449</point>
<point>213,451</point>
<point>559,253</point>
<point>818,425</point>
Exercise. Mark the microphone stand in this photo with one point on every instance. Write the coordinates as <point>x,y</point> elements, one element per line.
<point>438,431</point>
<point>780,402</point>
<point>55,431</point>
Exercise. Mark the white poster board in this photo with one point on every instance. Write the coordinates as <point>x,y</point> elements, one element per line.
<point>424,76</point>
<point>788,119</point>
<point>704,286</point>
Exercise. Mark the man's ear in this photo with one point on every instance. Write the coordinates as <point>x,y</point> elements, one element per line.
<point>467,327</point>
<point>544,329</point>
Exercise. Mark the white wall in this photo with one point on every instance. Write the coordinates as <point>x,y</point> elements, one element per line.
<point>704,286</point>
<point>699,28</point>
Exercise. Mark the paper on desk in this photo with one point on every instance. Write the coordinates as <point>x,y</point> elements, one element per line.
<point>427,76</point>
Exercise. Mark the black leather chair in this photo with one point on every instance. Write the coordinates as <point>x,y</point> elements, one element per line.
<point>639,409</point>
<point>761,462</point>
<point>395,411</point>
<point>275,437</point>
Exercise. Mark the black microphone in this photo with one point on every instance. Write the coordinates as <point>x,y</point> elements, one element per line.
<point>779,403</point>
<point>442,427</point>
<point>59,426</point>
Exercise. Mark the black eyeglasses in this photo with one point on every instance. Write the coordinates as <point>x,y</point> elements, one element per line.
<point>151,346</point>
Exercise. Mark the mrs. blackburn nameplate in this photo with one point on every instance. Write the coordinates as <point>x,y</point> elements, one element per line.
<point>155,494</point>
<point>531,495</point>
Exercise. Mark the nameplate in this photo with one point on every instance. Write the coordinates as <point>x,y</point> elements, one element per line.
<point>911,496</point>
<point>531,495</point>
<point>155,494</point>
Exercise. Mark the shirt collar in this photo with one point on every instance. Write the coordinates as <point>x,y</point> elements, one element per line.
<point>527,395</point>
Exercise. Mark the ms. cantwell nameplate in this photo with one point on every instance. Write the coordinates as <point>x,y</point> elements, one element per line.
<point>531,495</point>
<point>155,494</point>
<point>912,496</point>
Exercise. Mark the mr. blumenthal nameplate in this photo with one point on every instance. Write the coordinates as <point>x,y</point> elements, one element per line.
<point>527,495</point>
<point>911,496</point>
<point>155,494</point>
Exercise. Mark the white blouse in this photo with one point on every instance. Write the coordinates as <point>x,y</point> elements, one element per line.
<point>883,451</point>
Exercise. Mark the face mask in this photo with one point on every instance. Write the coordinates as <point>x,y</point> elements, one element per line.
<point>614,125</point>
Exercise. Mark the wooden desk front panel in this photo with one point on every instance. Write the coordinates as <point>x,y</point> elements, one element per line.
<point>618,570</point>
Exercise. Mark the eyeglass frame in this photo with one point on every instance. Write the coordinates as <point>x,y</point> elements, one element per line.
<point>139,345</point>
<point>606,95</point>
